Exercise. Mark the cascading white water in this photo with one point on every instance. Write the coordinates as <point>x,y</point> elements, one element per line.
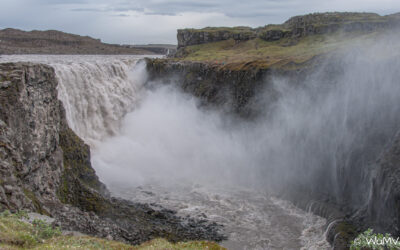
<point>96,91</point>
<point>96,95</point>
<point>155,145</point>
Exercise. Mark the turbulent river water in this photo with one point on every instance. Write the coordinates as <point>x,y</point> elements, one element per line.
<point>152,144</point>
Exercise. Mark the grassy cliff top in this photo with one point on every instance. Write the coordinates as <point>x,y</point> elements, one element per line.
<point>263,54</point>
<point>292,43</point>
<point>334,17</point>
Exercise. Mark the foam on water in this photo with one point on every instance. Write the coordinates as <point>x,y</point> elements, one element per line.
<point>251,219</point>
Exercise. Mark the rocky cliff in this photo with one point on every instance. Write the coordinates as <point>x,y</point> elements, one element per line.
<point>233,90</point>
<point>187,37</point>
<point>361,192</point>
<point>294,28</point>
<point>14,41</point>
<point>30,125</point>
<point>45,167</point>
<point>383,210</point>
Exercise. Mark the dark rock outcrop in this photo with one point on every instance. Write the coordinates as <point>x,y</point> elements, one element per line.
<point>274,35</point>
<point>228,89</point>
<point>30,119</point>
<point>187,37</point>
<point>383,210</point>
<point>45,167</point>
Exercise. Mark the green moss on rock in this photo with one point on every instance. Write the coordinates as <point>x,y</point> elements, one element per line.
<point>36,203</point>
<point>79,184</point>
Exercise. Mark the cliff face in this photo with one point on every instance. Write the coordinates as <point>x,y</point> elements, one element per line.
<point>45,167</point>
<point>232,90</point>
<point>343,199</point>
<point>237,93</point>
<point>383,209</point>
<point>30,119</point>
<point>187,37</point>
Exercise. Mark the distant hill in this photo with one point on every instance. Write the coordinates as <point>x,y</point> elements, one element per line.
<point>14,41</point>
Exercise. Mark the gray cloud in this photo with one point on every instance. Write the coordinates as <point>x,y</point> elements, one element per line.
<point>122,15</point>
<point>237,8</point>
<point>230,8</point>
<point>156,21</point>
<point>88,10</point>
<point>160,14</point>
<point>55,2</point>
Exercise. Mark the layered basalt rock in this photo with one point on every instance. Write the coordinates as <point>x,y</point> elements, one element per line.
<point>188,37</point>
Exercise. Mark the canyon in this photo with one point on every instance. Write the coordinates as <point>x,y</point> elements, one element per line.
<point>305,121</point>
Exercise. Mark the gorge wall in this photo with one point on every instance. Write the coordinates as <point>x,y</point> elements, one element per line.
<point>340,156</point>
<point>45,167</point>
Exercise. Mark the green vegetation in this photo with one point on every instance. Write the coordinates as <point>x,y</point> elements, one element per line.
<point>258,53</point>
<point>337,17</point>
<point>30,195</point>
<point>15,233</point>
<point>79,184</point>
<point>18,234</point>
<point>329,18</point>
<point>192,245</point>
<point>369,240</point>
<point>290,44</point>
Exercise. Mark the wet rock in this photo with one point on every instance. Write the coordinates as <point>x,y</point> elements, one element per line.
<point>340,233</point>
<point>383,210</point>
<point>45,168</point>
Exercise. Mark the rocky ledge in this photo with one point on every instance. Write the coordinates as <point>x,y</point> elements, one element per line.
<point>45,167</point>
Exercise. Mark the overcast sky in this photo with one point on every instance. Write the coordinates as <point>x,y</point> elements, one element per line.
<point>156,21</point>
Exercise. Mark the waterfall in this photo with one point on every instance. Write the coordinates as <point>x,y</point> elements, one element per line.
<point>96,91</point>
<point>155,145</point>
<point>97,94</point>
